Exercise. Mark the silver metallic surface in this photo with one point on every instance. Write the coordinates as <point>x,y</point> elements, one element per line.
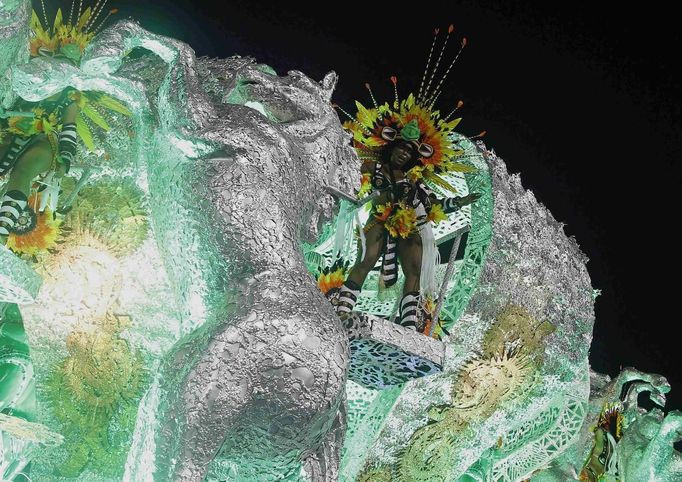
<point>260,371</point>
<point>407,340</point>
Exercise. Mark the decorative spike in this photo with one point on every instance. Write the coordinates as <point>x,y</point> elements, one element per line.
<point>371,94</point>
<point>464,42</point>
<point>337,106</point>
<point>113,11</point>
<point>73,4</point>
<point>394,79</point>
<point>96,11</point>
<point>428,63</point>
<point>459,106</point>
<point>440,57</point>
<point>435,98</point>
<point>80,8</point>
<point>42,6</point>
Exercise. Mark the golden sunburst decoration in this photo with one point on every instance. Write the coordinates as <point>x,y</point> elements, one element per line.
<point>113,211</point>
<point>40,239</point>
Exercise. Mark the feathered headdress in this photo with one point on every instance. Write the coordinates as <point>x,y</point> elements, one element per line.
<point>414,120</point>
<point>67,37</point>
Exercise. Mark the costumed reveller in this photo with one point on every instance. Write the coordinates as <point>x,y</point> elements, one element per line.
<point>403,146</point>
<point>39,140</point>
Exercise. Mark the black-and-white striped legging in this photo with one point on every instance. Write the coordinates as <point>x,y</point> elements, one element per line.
<point>68,144</point>
<point>12,205</point>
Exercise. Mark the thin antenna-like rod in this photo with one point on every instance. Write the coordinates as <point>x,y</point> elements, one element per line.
<point>428,63</point>
<point>367,131</point>
<point>394,79</point>
<point>95,14</point>
<point>464,43</point>
<point>459,106</point>
<point>47,24</point>
<point>440,57</point>
<point>101,24</point>
<point>80,8</point>
<point>371,94</point>
<point>73,4</point>
<point>434,100</point>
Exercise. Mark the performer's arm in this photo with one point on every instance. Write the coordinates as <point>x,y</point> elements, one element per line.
<point>453,204</point>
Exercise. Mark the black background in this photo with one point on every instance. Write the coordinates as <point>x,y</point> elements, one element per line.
<point>582,98</point>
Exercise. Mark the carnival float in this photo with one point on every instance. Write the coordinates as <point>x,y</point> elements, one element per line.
<point>174,294</point>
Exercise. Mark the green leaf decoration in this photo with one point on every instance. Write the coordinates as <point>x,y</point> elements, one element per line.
<point>461,167</point>
<point>57,20</point>
<point>112,104</point>
<point>84,18</point>
<point>439,181</point>
<point>95,116</point>
<point>84,132</point>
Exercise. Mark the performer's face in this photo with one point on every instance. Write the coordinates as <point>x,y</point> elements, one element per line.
<point>402,153</point>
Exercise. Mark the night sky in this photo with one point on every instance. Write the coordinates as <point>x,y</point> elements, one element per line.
<point>583,99</point>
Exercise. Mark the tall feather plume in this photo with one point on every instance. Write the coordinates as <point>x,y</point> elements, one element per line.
<point>96,11</point>
<point>73,5</point>
<point>428,63</point>
<point>371,94</point>
<point>440,57</point>
<point>464,43</point>
<point>394,79</point>
<point>459,106</point>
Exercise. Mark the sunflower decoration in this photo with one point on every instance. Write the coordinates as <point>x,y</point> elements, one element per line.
<point>611,419</point>
<point>42,238</point>
<point>331,277</point>
<point>383,211</point>
<point>413,119</point>
<point>40,122</point>
<point>603,462</point>
<point>436,214</point>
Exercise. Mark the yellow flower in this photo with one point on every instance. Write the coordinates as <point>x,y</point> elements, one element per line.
<point>365,185</point>
<point>403,222</point>
<point>331,280</point>
<point>383,211</point>
<point>416,173</point>
<point>436,214</point>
